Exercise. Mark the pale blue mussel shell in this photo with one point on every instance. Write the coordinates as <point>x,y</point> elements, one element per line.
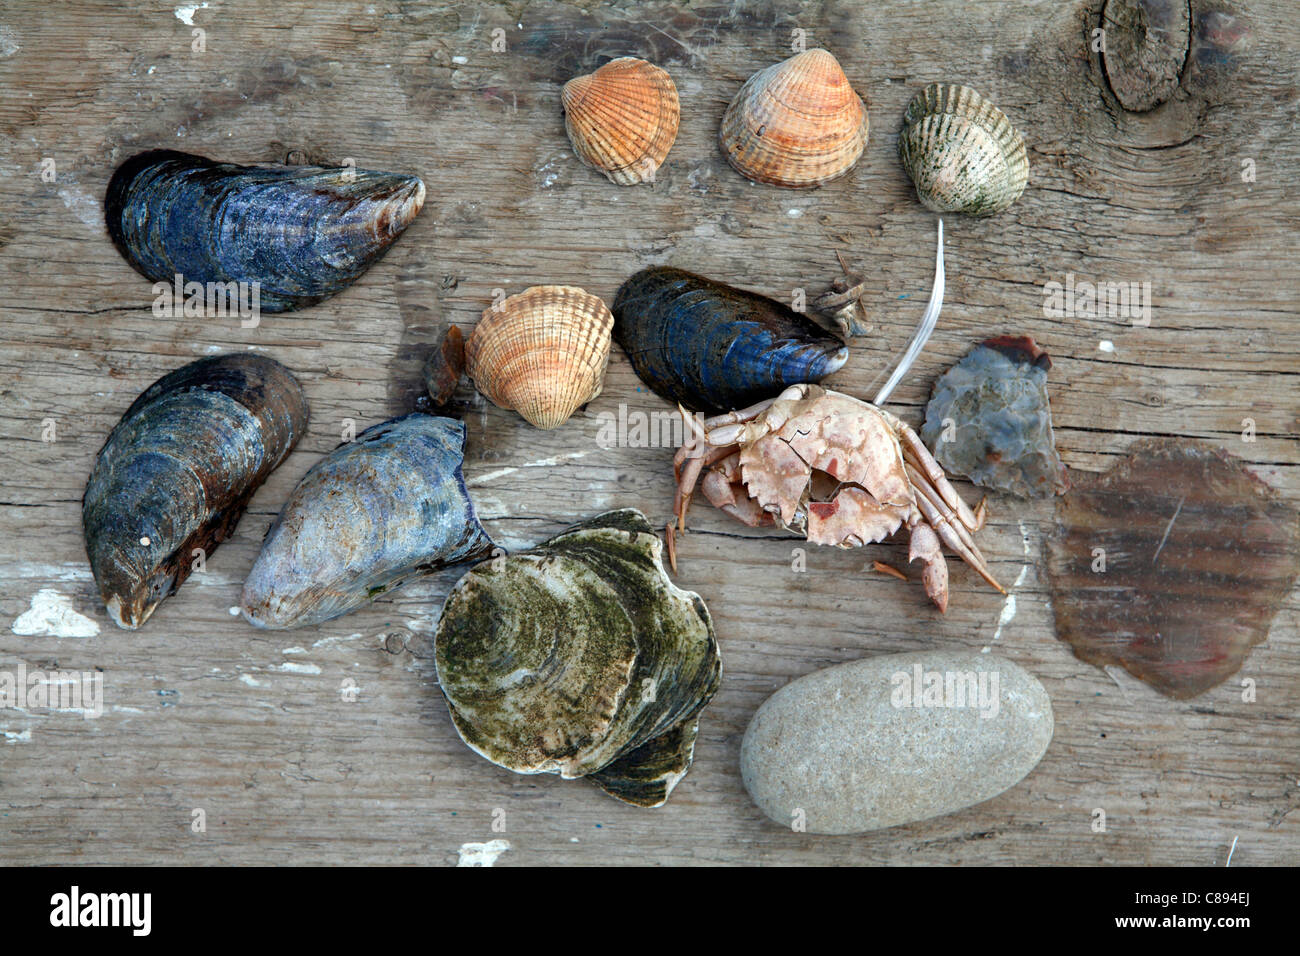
<point>375,512</point>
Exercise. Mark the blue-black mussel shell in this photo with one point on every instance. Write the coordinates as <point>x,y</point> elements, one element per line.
<point>302,233</point>
<point>178,470</point>
<point>712,347</point>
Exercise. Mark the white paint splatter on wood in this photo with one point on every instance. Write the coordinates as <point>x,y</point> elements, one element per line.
<point>9,44</point>
<point>52,615</point>
<point>502,472</point>
<point>82,205</point>
<point>330,641</point>
<point>482,854</point>
<point>185,13</point>
<point>54,572</point>
<point>1009,605</point>
<point>291,668</point>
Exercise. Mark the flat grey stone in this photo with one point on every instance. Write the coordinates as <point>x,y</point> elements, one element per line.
<point>894,739</point>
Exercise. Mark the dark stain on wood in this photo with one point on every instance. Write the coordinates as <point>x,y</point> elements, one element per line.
<point>445,366</point>
<point>418,291</point>
<point>1220,36</point>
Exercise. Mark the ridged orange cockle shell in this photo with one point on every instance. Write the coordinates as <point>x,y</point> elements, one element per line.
<point>798,123</point>
<point>622,119</point>
<point>542,352</point>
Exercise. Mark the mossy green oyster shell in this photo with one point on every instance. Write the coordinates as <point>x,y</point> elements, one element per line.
<point>580,657</point>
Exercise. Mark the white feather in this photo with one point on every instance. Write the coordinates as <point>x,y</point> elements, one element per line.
<point>923,331</point>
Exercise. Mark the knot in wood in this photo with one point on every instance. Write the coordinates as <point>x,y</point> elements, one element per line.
<point>1145,49</point>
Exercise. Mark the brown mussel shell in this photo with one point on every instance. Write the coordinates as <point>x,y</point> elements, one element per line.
<point>444,367</point>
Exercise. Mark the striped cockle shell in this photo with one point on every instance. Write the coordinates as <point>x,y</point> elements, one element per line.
<point>962,152</point>
<point>798,123</point>
<point>542,352</point>
<point>622,119</point>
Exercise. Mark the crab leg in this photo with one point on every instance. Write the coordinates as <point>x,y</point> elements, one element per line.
<point>889,569</point>
<point>689,462</point>
<point>701,430</point>
<point>726,429</point>
<point>693,452</point>
<point>726,491</point>
<point>717,446</point>
<point>922,484</point>
<point>947,494</point>
<point>923,545</point>
<point>691,445</point>
<point>939,515</point>
<point>740,415</point>
<point>944,521</point>
<point>691,476</point>
<point>915,452</point>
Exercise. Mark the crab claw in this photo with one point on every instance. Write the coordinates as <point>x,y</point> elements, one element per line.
<point>925,546</point>
<point>726,434</point>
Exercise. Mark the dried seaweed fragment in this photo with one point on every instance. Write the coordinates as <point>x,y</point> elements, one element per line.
<point>1171,565</point>
<point>989,419</point>
<point>445,366</point>
<point>843,302</point>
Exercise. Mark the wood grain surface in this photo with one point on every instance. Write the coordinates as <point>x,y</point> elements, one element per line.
<point>260,731</point>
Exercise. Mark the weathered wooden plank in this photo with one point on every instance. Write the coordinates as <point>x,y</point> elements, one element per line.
<point>202,712</point>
